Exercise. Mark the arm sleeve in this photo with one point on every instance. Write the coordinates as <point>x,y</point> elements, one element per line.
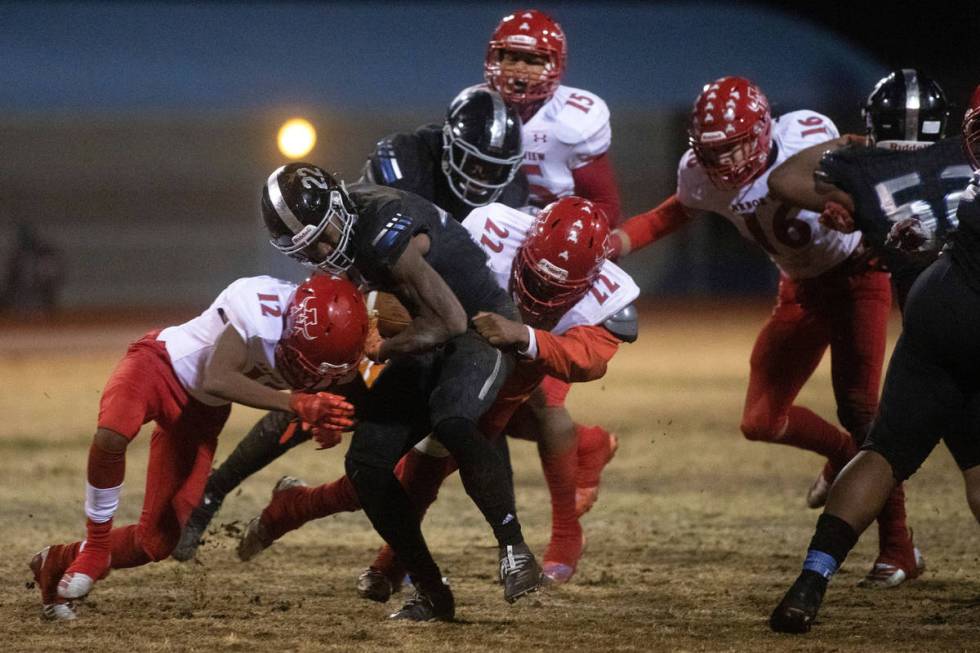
<point>596,181</point>
<point>653,225</point>
<point>580,354</point>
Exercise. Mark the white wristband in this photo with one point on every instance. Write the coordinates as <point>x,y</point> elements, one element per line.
<point>532,344</point>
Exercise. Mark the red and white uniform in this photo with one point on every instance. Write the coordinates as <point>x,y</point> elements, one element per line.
<point>254,306</point>
<point>565,146</point>
<point>578,348</point>
<point>794,239</point>
<point>159,380</point>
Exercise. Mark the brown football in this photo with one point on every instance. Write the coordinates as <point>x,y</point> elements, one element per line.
<point>392,316</point>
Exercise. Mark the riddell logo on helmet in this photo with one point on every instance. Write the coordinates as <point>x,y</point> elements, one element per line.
<point>552,270</point>
<point>522,39</point>
<point>303,318</point>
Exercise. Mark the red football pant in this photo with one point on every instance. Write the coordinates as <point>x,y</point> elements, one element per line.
<point>142,388</point>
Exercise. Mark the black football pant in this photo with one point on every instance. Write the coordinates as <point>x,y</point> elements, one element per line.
<point>444,392</point>
<point>932,388</point>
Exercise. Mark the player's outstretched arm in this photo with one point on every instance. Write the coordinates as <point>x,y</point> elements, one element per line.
<point>223,376</point>
<point>437,314</point>
<point>797,180</point>
<point>580,354</point>
<point>649,227</point>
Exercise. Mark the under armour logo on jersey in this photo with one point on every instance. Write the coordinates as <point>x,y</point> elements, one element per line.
<point>303,317</point>
<point>540,137</point>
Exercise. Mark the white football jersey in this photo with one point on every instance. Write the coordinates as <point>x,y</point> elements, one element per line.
<point>794,239</point>
<point>567,132</point>
<point>500,230</point>
<point>254,306</point>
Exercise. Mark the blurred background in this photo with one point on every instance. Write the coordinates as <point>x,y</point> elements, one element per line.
<point>135,137</point>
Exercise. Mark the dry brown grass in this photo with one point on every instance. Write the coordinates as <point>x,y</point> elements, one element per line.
<point>695,537</point>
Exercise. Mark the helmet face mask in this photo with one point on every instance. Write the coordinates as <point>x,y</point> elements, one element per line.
<point>323,335</point>
<point>905,110</point>
<point>533,39</point>
<point>310,217</point>
<point>731,131</point>
<point>482,146</point>
<point>559,261</point>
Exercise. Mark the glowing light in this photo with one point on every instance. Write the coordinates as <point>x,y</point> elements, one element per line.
<point>296,138</point>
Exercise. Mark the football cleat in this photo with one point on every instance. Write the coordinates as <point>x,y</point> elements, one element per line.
<point>519,571</point>
<point>560,570</point>
<point>373,585</point>
<point>798,609</point>
<point>884,574</point>
<point>75,583</point>
<point>436,604</point>
<point>590,465</point>
<point>256,538</point>
<point>193,533</point>
<point>47,567</point>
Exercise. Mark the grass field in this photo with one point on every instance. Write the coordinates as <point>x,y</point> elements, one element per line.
<point>695,537</point>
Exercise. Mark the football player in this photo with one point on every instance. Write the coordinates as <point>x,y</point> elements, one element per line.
<point>260,335</point>
<point>566,143</point>
<point>830,292</point>
<point>440,376</point>
<point>932,391</point>
<point>472,158</point>
<point>577,308</point>
<point>902,194</point>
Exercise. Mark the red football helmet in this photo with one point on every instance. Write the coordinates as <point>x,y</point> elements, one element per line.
<point>324,333</point>
<point>971,129</point>
<point>530,31</point>
<point>559,260</point>
<point>731,131</point>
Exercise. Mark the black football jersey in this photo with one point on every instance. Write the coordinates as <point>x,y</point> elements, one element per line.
<point>888,186</point>
<point>387,220</point>
<point>412,161</point>
<point>965,248</point>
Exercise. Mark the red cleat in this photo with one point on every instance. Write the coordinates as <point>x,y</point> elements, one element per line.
<point>596,449</point>
<point>48,565</point>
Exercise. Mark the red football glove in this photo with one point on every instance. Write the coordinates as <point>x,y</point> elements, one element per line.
<point>835,216</point>
<point>322,409</point>
<point>326,438</point>
<point>907,235</point>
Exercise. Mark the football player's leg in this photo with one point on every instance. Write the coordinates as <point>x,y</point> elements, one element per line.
<point>141,388</point>
<point>963,443</point>
<point>264,443</point>
<point>786,352</point>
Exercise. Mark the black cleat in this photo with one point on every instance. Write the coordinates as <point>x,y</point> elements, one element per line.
<point>519,571</point>
<point>798,609</point>
<point>193,533</point>
<point>437,604</point>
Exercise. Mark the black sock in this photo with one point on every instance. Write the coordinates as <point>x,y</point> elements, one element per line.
<point>832,541</point>
<point>258,448</point>
<point>485,476</point>
<point>393,516</point>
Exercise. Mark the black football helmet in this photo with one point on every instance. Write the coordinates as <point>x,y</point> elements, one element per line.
<point>906,110</point>
<point>310,217</point>
<point>482,147</point>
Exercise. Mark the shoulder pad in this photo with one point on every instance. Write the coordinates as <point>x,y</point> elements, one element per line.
<point>582,116</point>
<point>624,324</point>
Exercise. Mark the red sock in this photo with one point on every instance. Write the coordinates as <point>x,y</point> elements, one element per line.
<point>422,475</point>
<point>806,430</point>
<point>566,532</point>
<point>295,506</point>
<point>593,453</point>
<point>894,541</point>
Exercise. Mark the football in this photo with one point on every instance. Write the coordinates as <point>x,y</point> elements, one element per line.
<point>392,316</point>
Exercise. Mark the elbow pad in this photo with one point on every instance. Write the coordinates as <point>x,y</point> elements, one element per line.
<point>624,324</point>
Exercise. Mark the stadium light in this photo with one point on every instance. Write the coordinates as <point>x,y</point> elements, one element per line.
<point>296,138</point>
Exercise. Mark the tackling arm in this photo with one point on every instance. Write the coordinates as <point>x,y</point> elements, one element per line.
<point>437,313</point>
<point>223,376</point>
<point>645,228</point>
<point>580,354</point>
<point>797,180</point>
